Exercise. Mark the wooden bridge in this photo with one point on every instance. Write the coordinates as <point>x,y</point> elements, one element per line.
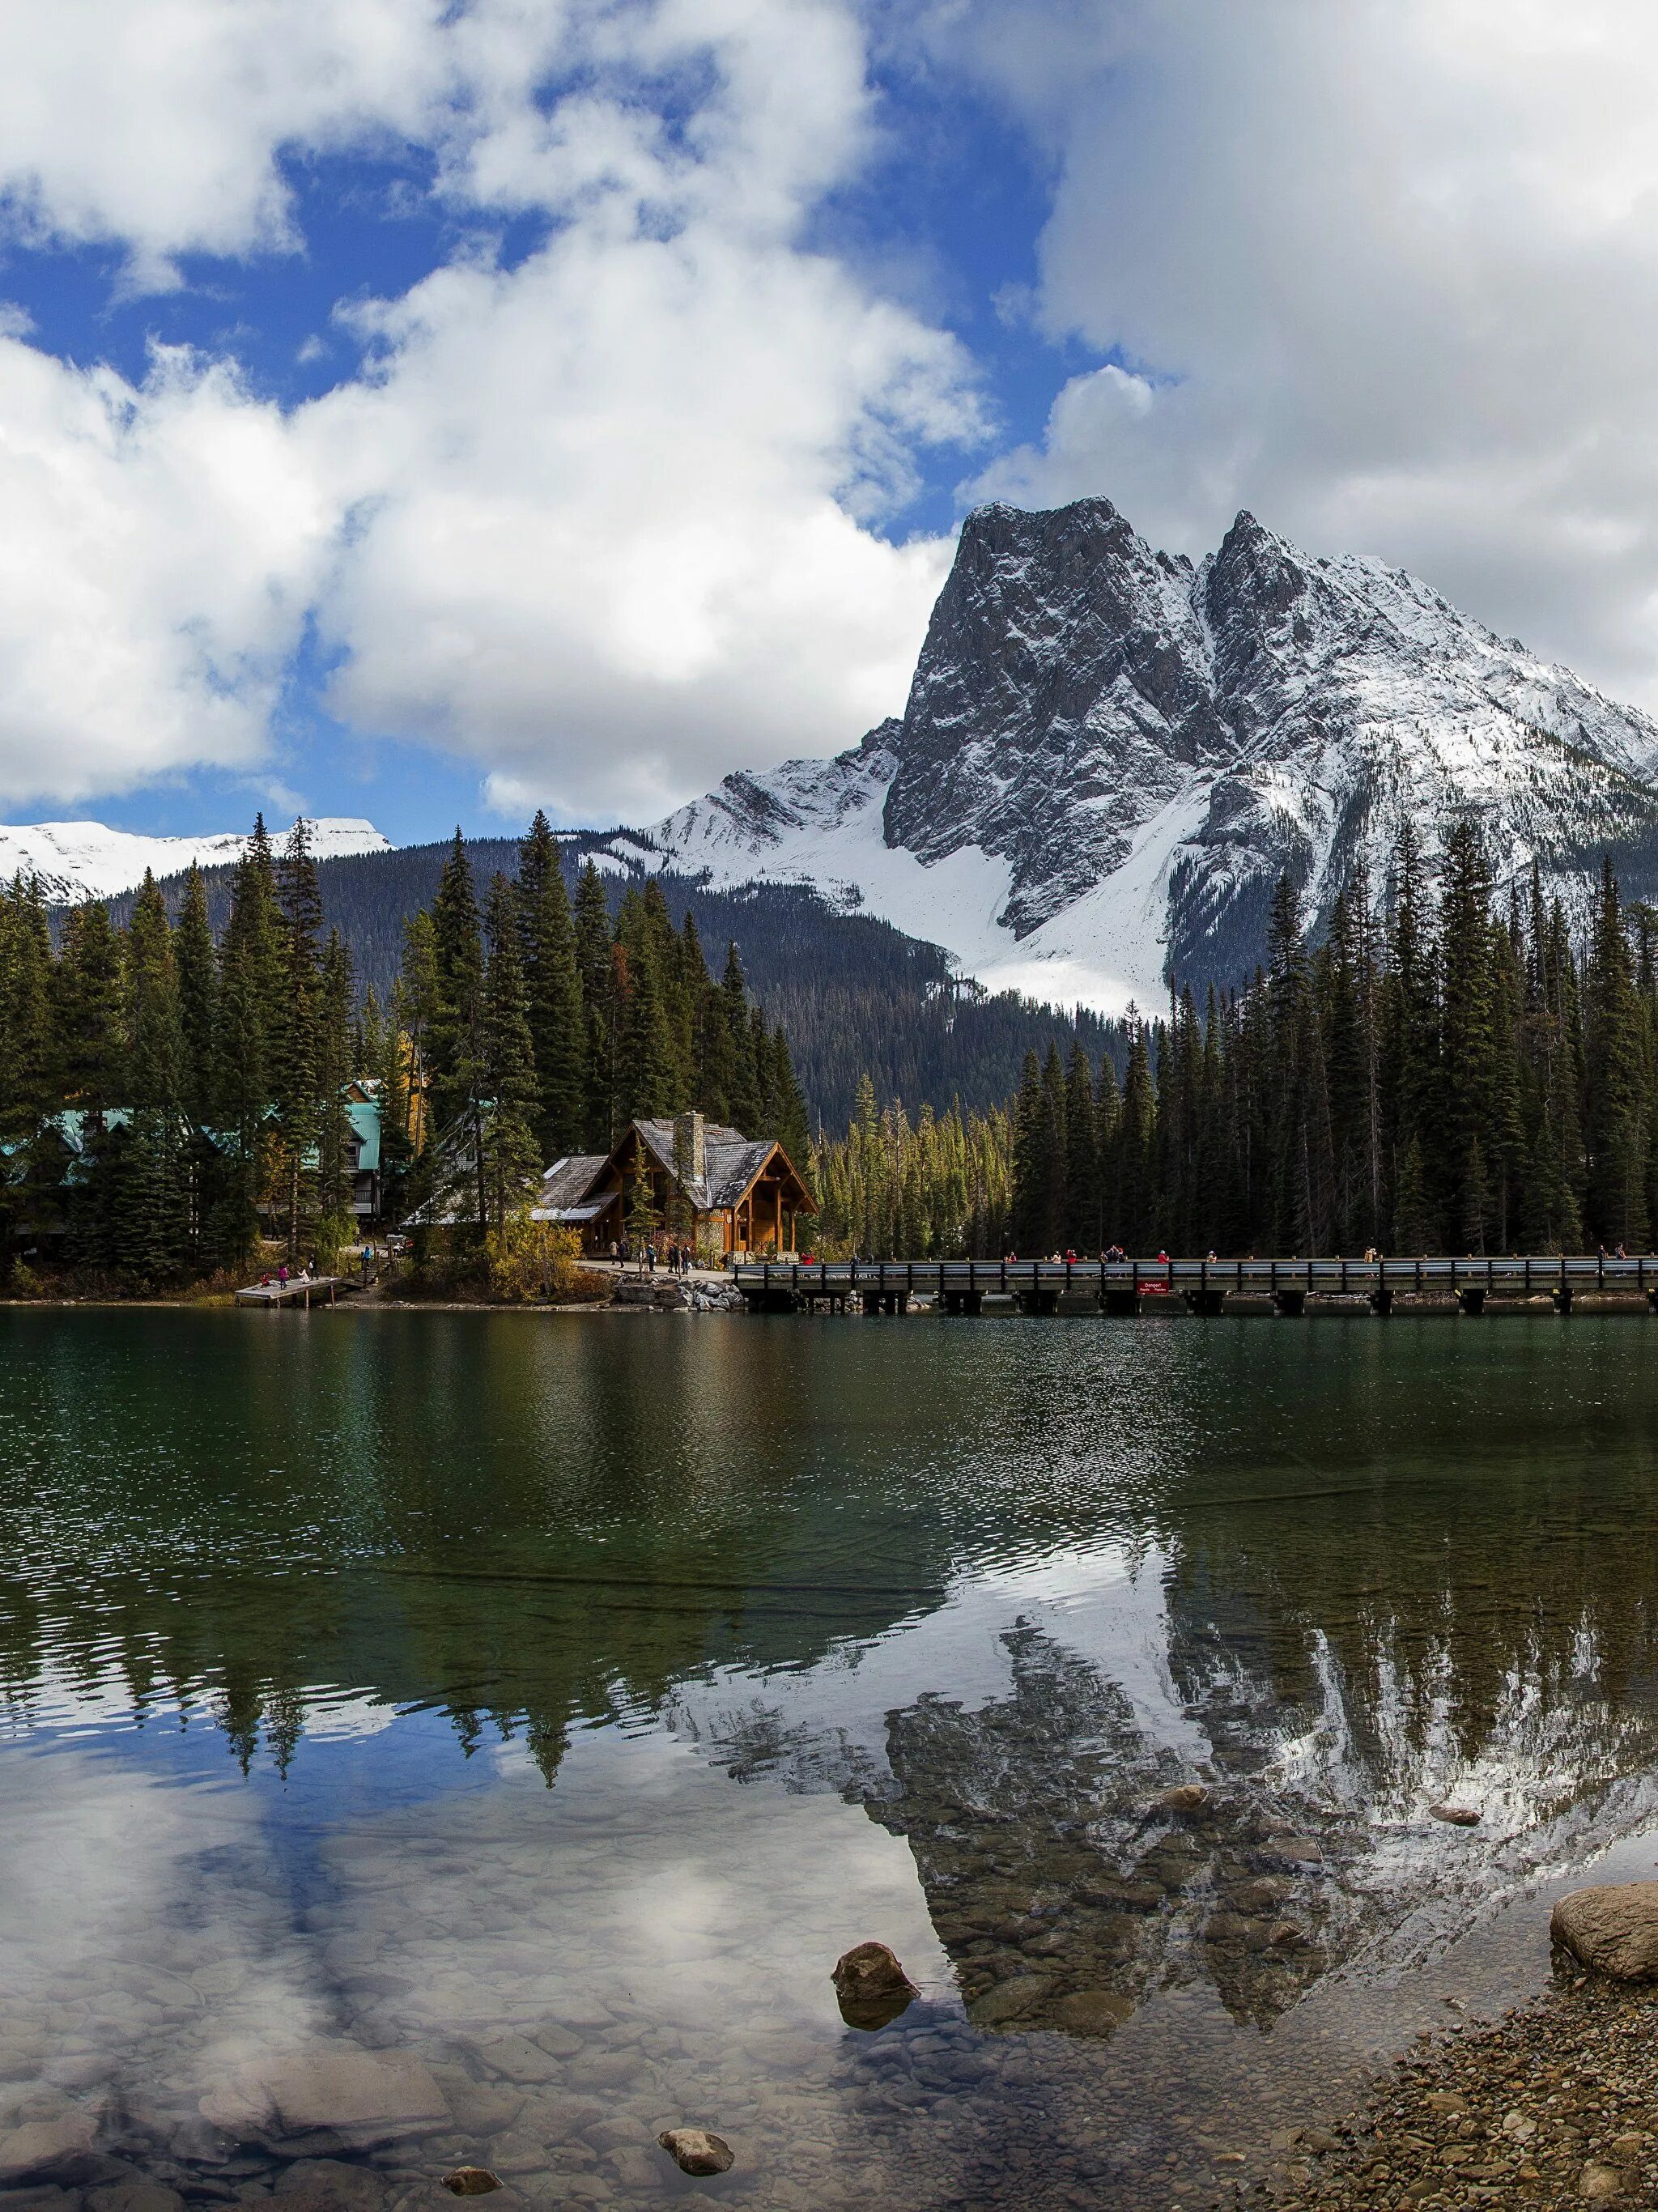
<point>1199,1286</point>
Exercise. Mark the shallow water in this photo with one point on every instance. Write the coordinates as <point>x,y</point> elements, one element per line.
<point>554,1698</point>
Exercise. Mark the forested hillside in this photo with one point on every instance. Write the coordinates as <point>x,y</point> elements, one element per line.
<point>854,995</point>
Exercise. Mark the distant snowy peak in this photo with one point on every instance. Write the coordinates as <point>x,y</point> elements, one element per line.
<point>79,860</point>
<point>1109,756</point>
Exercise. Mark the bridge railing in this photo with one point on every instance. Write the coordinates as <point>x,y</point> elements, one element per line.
<point>1538,1271</point>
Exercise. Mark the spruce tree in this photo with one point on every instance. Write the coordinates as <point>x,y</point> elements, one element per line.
<point>1081,1185</point>
<point>743,1089</point>
<point>510,1155</point>
<point>552,984</point>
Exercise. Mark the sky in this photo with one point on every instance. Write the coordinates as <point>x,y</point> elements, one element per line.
<point>430,410</point>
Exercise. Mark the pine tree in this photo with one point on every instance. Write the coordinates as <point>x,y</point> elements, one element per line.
<point>1618,1104</point>
<point>248,1012</point>
<point>1082,1184</point>
<point>552,984</point>
<point>510,1154</point>
<point>154,1226</point>
<point>743,1089</point>
<point>336,1066</point>
<point>198,962</point>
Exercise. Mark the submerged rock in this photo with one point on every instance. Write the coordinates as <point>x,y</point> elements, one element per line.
<point>695,2150</point>
<point>49,2150</point>
<point>328,2184</point>
<point>1185,1797</point>
<point>872,1987</point>
<point>1612,1928</point>
<point>336,2092</point>
<point>472,2181</point>
<point>1092,2011</point>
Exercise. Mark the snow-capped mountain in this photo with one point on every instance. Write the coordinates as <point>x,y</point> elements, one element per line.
<point>77,860</point>
<point>1109,756</point>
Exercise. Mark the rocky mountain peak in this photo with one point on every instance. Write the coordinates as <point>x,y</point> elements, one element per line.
<point>1108,757</point>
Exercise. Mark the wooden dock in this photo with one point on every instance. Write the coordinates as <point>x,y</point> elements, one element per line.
<point>1199,1287</point>
<point>300,1291</point>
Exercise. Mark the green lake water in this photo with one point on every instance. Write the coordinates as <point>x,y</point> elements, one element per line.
<point>553,1698</point>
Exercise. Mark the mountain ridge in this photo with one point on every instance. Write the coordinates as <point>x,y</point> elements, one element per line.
<point>1110,754</point>
<point>78,860</point>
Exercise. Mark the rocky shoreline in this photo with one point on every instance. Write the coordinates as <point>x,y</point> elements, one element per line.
<point>1554,2105</point>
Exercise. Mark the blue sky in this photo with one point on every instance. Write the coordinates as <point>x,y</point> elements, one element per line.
<point>429,410</point>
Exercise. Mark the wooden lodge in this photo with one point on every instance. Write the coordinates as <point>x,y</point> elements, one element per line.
<point>729,1192</point>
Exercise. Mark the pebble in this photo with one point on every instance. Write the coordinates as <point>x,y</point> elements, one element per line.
<point>1547,2107</point>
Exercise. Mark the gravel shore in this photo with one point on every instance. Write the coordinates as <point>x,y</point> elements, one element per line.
<point>1555,2105</point>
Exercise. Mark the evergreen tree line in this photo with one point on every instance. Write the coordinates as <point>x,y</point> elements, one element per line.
<point>166,1090</point>
<point>940,1187</point>
<point>535,1026</point>
<point>854,995</point>
<point>1444,1074</point>
<point>158,1086</point>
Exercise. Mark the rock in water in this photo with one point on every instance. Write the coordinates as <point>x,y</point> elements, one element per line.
<point>1458,1816</point>
<point>693,2150</point>
<point>328,2184</point>
<point>333,2094</point>
<point>1613,1928</point>
<point>871,1986</point>
<point>470,2181</point>
<point>1185,1797</point>
<point>1093,2012</point>
<point>48,2149</point>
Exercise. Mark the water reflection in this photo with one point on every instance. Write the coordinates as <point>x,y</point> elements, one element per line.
<point>1108,1673</point>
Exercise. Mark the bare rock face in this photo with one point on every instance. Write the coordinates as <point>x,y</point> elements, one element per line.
<point>872,1988</point>
<point>693,2150</point>
<point>1613,1928</point>
<point>331,2096</point>
<point>47,2150</point>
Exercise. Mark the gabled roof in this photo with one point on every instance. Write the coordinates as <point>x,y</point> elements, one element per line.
<point>566,1188</point>
<point>364,1116</point>
<point>732,1161</point>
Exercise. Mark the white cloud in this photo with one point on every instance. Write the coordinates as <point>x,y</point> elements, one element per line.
<point>601,520</point>
<point>161,547</point>
<point>1389,272</point>
<point>157,125</point>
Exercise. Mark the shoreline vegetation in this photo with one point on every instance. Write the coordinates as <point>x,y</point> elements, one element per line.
<point>1443,1069</point>
<point>169,1099</point>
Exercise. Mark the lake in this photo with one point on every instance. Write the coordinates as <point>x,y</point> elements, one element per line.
<point>542,1703</point>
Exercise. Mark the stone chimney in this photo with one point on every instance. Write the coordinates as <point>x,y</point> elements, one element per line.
<point>690,1147</point>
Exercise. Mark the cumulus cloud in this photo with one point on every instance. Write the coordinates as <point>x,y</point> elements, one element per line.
<point>603,519</point>
<point>1386,273</point>
<point>613,540</point>
<point>161,545</point>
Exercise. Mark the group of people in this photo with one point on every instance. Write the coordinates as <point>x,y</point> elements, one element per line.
<point>676,1256</point>
<point>305,1272</point>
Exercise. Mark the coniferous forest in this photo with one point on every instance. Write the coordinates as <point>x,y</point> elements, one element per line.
<point>169,1093</point>
<point>1446,1071</point>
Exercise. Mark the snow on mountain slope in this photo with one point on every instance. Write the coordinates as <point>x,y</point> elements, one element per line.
<point>77,860</point>
<point>1110,756</point>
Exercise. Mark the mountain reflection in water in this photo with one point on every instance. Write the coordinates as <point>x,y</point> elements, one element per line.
<point>1002,1586</point>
